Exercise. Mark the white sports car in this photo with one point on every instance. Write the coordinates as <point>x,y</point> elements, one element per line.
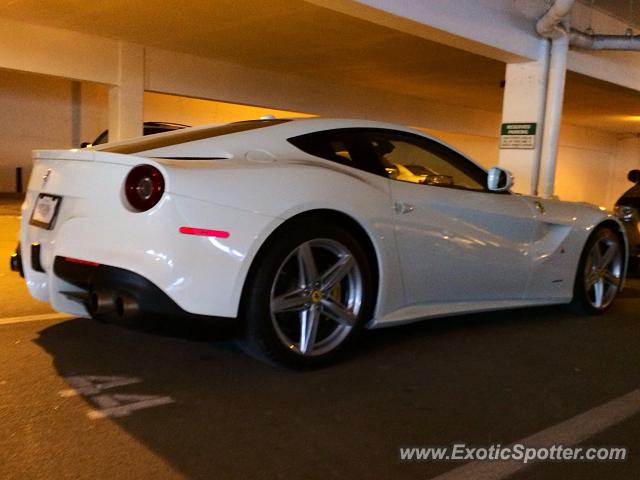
<point>304,231</point>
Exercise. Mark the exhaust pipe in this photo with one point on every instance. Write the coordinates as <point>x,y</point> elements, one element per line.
<point>100,303</point>
<point>126,307</point>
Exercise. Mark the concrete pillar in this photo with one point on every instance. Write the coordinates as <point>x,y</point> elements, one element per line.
<point>524,102</point>
<point>76,113</point>
<point>126,99</point>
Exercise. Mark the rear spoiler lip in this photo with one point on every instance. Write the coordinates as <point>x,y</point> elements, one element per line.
<point>88,155</point>
<point>71,154</point>
<point>168,157</point>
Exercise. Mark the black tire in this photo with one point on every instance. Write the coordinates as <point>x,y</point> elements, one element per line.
<point>584,296</point>
<point>264,336</point>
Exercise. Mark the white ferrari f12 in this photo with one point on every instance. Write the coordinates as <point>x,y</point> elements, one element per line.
<point>303,231</point>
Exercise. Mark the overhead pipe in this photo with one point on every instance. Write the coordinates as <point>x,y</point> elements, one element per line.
<point>547,25</point>
<point>553,25</point>
<point>589,41</point>
<point>537,160</point>
<point>553,113</point>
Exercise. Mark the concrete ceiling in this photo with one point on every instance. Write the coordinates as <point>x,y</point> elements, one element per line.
<point>302,39</point>
<point>627,11</point>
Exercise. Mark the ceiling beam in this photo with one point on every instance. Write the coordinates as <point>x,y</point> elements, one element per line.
<point>63,53</point>
<point>499,29</point>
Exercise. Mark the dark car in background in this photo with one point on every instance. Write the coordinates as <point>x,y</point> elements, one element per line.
<point>628,211</point>
<point>149,128</point>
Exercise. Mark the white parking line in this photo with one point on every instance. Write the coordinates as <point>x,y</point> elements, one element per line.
<point>568,433</point>
<point>114,405</point>
<point>123,405</point>
<point>34,318</point>
<point>94,384</point>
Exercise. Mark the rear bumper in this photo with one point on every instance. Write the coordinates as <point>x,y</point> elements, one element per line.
<point>200,275</point>
<point>115,284</point>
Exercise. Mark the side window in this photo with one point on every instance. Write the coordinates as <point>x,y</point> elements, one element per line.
<point>346,146</point>
<point>102,138</point>
<point>408,158</point>
<point>339,149</point>
<point>333,145</point>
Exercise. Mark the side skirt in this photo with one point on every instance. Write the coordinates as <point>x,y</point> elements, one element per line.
<point>416,313</point>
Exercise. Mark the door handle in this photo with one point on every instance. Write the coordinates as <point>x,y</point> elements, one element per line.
<point>402,208</point>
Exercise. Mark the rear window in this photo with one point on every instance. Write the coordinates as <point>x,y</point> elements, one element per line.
<point>187,135</point>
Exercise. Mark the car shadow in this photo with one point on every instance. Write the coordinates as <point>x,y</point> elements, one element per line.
<point>186,328</point>
<point>471,378</point>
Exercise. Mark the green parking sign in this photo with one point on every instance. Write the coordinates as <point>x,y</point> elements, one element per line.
<point>518,135</point>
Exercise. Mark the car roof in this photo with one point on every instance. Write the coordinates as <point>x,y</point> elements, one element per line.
<point>281,127</point>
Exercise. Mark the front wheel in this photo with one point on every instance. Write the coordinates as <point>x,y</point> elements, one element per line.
<point>310,293</point>
<point>599,276</point>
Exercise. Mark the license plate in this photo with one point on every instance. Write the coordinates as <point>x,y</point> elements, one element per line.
<point>45,211</point>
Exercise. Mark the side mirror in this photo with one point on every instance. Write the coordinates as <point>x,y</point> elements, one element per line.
<point>634,176</point>
<point>499,180</point>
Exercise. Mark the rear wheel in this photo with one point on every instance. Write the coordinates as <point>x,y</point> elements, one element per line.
<point>600,272</point>
<point>309,294</point>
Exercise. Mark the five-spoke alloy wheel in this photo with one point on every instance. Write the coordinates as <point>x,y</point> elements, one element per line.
<point>309,294</point>
<point>600,273</point>
<point>316,297</point>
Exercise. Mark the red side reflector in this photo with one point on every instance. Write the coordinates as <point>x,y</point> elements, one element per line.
<point>84,262</point>
<point>203,232</point>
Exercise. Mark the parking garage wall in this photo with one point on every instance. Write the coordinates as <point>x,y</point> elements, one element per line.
<point>194,111</point>
<point>42,112</point>
<point>586,161</point>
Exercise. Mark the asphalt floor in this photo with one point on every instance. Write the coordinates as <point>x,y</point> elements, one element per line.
<point>82,399</point>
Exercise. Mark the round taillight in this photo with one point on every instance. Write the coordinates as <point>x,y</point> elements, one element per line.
<point>144,187</point>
